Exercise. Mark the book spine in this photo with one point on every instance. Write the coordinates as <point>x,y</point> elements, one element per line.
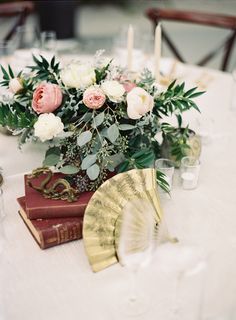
<point>60,233</point>
<point>57,212</point>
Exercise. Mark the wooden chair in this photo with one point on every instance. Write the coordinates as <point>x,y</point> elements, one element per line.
<point>207,19</point>
<point>20,10</point>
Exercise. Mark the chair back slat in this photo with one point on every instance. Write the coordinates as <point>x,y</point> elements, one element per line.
<point>20,10</point>
<point>228,51</point>
<point>200,18</point>
<point>172,46</point>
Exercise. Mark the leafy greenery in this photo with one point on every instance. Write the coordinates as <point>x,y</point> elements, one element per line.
<point>46,70</point>
<point>176,139</point>
<point>15,117</point>
<point>103,140</point>
<point>175,100</point>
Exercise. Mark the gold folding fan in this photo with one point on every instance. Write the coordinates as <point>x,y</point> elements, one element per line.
<point>104,213</point>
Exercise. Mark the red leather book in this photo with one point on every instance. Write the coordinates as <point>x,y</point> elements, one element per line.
<point>51,232</point>
<point>39,207</point>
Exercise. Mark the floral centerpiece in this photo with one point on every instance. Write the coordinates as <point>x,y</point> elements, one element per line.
<point>96,117</point>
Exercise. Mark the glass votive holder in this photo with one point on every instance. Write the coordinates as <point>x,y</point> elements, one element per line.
<point>189,171</point>
<point>167,167</point>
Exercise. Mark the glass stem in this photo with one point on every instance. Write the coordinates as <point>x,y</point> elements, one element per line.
<point>133,292</point>
<point>176,306</point>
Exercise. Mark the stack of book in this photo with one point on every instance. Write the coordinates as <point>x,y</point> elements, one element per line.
<point>52,222</point>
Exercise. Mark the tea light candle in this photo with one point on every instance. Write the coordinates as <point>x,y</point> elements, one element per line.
<point>189,180</point>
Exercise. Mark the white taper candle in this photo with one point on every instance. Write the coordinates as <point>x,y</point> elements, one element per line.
<point>130,45</point>
<point>157,53</point>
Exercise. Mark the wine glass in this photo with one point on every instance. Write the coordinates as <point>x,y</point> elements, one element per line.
<point>186,265</point>
<point>48,43</point>
<point>136,244</point>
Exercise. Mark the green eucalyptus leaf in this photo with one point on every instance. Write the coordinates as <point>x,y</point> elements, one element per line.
<point>84,138</point>
<point>110,167</point>
<point>97,143</point>
<point>93,171</point>
<point>69,169</point>
<point>53,150</point>
<point>98,120</point>
<point>126,127</point>
<point>116,159</point>
<point>88,161</point>
<point>51,160</point>
<point>104,132</point>
<point>113,133</point>
<point>87,116</point>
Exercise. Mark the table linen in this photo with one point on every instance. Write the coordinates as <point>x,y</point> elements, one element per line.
<point>58,283</point>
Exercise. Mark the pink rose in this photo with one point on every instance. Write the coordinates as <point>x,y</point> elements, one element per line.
<point>47,97</point>
<point>94,98</point>
<point>128,86</point>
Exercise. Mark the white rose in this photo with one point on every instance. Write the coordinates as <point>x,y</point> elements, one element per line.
<point>15,85</point>
<point>113,90</point>
<point>78,76</point>
<point>48,126</point>
<point>139,102</point>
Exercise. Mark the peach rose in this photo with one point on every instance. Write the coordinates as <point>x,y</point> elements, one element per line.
<point>94,98</point>
<point>47,97</point>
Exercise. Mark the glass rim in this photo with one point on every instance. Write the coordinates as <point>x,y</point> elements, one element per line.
<point>169,161</point>
<point>195,160</point>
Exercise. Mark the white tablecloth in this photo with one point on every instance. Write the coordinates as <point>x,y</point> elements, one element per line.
<point>58,283</point>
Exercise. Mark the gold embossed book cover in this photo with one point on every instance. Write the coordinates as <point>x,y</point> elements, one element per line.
<point>52,232</point>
